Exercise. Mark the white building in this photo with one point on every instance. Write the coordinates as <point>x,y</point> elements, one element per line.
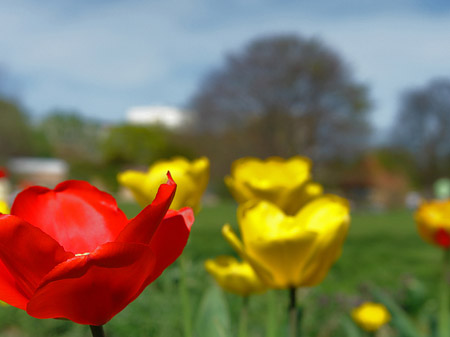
<point>38,171</point>
<point>170,117</point>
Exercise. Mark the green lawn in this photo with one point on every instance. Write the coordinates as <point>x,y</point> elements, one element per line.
<point>381,248</point>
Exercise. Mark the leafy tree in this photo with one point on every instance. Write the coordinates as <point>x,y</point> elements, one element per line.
<point>139,145</point>
<point>422,128</point>
<point>70,136</point>
<point>288,95</point>
<point>15,131</point>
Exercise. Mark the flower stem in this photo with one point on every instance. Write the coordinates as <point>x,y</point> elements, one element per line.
<point>293,312</point>
<point>185,302</point>
<point>271,326</point>
<point>444,328</point>
<point>97,330</point>
<point>243,320</point>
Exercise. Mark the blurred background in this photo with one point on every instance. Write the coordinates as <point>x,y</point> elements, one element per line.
<point>362,88</point>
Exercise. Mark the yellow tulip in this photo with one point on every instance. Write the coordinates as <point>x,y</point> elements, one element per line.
<point>371,316</point>
<point>4,209</point>
<point>433,222</point>
<point>283,182</point>
<point>191,178</point>
<point>291,251</point>
<point>234,276</point>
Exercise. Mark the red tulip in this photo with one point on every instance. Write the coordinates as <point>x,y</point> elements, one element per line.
<point>72,253</point>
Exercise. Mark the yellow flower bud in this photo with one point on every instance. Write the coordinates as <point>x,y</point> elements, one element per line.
<point>234,276</point>
<point>282,182</point>
<point>371,316</point>
<point>433,222</point>
<point>191,178</point>
<point>291,251</point>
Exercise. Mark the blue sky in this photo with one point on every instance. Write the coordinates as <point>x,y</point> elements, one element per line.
<point>102,57</point>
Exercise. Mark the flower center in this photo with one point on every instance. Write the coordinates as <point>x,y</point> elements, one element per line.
<point>82,254</point>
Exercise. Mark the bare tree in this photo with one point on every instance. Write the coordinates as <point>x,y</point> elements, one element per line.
<point>422,127</point>
<point>290,95</point>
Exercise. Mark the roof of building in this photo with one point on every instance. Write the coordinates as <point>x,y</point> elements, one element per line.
<point>165,115</point>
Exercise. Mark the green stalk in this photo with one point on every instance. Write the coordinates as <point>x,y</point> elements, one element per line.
<point>243,319</point>
<point>444,327</point>
<point>271,326</point>
<point>97,330</point>
<point>185,302</point>
<point>293,312</point>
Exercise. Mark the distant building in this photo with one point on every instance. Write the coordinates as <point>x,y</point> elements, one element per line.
<point>371,183</point>
<point>4,185</point>
<point>28,171</point>
<point>170,117</point>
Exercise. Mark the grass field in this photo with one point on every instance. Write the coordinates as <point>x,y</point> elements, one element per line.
<point>382,249</point>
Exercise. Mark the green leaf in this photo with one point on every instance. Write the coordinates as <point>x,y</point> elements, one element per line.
<point>400,319</point>
<point>350,328</point>
<point>213,317</point>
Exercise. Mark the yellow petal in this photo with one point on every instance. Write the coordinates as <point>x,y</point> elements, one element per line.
<point>4,209</point>
<point>274,171</point>
<point>135,181</point>
<point>313,189</point>
<point>310,191</point>
<point>237,245</point>
<point>238,190</point>
<point>200,172</point>
<point>234,276</point>
<point>264,221</point>
<point>371,316</point>
<point>233,240</point>
<point>284,257</point>
<point>325,213</point>
<point>191,179</point>
<point>300,197</point>
<point>296,250</point>
<point>328,216</point>
<point>275,179</point>
<point>276,241</point>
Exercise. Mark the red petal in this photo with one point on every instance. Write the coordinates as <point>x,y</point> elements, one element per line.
<point>442,238</point>
<point>170,239</point>
<point>91,289</point>
<point>8,289</point>
<point>141,228</point>
<point>27,253</point>
<point>76,214</point>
